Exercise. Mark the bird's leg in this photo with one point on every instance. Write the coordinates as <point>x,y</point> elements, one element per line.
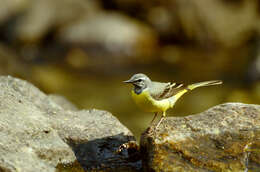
<point>161,119</point>
<point>155,115</point>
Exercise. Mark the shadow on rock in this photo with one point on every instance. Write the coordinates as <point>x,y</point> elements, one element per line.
<point>103,154</point>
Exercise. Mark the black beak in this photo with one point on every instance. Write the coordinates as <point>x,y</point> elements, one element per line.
<point>128,81</point>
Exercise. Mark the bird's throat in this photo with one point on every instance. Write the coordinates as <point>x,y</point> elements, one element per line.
<point>138,90</point>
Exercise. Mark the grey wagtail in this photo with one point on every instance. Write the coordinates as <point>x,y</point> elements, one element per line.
<point>158,97</point>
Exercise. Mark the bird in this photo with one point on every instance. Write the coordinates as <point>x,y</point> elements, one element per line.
<point>158,97</point>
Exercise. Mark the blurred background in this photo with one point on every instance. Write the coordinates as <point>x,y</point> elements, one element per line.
<point>84,49</point>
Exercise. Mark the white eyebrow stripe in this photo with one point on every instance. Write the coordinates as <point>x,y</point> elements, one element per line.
<point>143,78</point>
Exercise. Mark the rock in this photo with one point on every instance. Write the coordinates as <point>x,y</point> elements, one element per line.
<point>223,138</point>
<point>197,20</point>
<point>41,16</point>
<point>109,29</point>
<point>39,134</point>
<point>118,38</point>
<point>9,8</point>
<point>84,34</point>
<point>197,34</point>
<point>28,141</point>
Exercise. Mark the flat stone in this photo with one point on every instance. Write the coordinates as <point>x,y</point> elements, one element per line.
<point>223,138</point>
<point>40,133</point>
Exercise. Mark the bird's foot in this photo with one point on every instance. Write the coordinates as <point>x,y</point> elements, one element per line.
<point>158,124</point>
<point>149,130</point>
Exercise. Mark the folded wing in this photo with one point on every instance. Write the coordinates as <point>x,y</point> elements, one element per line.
<point>161,91</point>
<point>172,89</point>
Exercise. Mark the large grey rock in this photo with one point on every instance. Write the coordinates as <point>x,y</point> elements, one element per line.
<point>224,138</point>
<point>37,134</point>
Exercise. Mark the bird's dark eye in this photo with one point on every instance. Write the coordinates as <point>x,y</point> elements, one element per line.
<point>139,80</point>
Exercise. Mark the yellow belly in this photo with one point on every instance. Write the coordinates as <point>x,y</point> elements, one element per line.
<point>148,104</point>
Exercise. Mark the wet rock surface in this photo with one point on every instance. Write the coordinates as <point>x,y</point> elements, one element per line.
<point>223,138</point>
<point>46,133</point>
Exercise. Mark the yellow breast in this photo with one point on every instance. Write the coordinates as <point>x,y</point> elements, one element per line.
<point>148,104</point>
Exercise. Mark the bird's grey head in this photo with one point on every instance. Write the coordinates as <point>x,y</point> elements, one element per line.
<point>140,81</point>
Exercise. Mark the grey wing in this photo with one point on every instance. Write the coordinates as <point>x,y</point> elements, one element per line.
<point>165,90</point>
<point>157,89</point>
